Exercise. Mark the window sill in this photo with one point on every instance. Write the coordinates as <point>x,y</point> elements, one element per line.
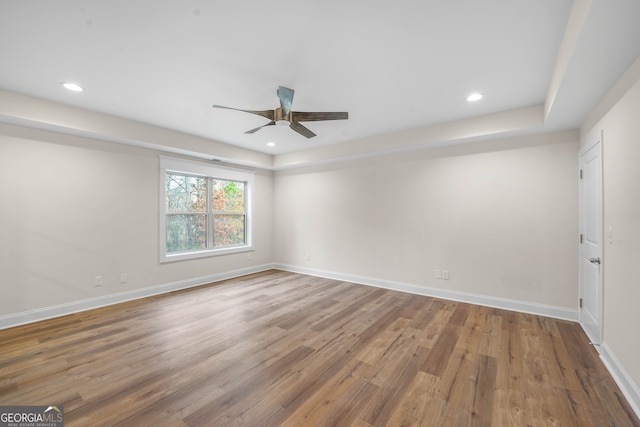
<point>184,256</point>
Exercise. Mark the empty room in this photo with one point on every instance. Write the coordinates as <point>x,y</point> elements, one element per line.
<point>302,213</point>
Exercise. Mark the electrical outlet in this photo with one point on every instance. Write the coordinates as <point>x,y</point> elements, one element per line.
<point>123,278</point>
<point>97,281</point>
<point>308,257</point>
<point>438,274</point>
<point>445,274</point>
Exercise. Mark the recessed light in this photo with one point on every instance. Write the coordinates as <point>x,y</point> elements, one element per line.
<point>474,97</point>
<point>271,144</point>
<point>72,87</point>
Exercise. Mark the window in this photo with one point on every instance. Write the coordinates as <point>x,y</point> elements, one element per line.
<point>205,210</point>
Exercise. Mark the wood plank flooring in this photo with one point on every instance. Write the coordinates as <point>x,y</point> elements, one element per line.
<point>283,349</point>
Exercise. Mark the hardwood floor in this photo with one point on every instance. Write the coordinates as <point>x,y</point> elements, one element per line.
<point>278,348</point>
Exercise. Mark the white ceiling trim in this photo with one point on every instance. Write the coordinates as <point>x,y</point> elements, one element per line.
<point>577,17</point>
<point>565,105</point>
<point>26,111</point>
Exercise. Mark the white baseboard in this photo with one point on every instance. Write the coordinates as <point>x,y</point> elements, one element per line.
<point>628,387</point>
<point>36,315</point>
<point>495,302</point>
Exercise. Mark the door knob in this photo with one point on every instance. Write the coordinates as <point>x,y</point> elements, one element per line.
<point>594,260</point>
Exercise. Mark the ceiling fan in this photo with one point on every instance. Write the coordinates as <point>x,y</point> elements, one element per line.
<point>284,115</point>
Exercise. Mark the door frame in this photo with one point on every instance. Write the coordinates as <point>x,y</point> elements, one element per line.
<point>594,140</point>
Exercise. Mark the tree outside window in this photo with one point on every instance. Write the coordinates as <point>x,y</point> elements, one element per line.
<point>189,216</point>
<point>203,215</point>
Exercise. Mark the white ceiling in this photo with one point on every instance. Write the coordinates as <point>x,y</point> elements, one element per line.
<point>392,65</point>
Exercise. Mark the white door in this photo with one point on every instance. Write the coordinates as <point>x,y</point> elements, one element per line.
<point>591,239</point>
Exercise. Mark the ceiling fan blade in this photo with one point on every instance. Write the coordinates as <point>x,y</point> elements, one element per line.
<point>286,98</point>
<point>300,116</point>
<point>264,113</point>
<point>302,130</point>
<point>271,123</point>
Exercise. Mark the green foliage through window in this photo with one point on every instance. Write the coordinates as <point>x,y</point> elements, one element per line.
<point>204,213</point>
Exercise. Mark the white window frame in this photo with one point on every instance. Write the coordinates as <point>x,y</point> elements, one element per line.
<point>193,168</point>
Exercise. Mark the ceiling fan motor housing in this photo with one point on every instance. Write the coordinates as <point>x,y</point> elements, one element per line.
<point>280,117</point>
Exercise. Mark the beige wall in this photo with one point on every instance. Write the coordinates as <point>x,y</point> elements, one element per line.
<point>500,216</point>
<point>621,176</point>
<point>74,208</point>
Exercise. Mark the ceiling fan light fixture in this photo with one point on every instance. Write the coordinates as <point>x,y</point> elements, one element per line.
<point>283,116</point>
<point>73,87</point>
<point>474,97</point>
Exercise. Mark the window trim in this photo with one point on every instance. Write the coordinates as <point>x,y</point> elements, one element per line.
<point>193,168</point>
